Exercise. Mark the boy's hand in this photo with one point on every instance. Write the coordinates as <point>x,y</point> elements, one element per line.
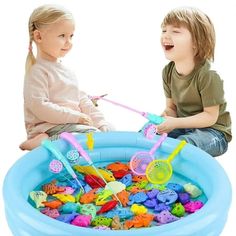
<point>168,125</point>
<point>85,120</point>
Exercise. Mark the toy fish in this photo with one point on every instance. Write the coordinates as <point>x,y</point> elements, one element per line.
<point>116,224</point>
<point>102,227</point>
<point>89,197</point>
<point>53,213</point>
<point>67,218</point>
<point>150,203</point>
<point>38,197</point>
<point>143,220</point>
<point>120,173</point>
<point>165,217</point>
<point>64,197</point>
<point>193,190</point>
<point>68,190</point>
<point>123,197</point>
<point>138,185</point>
<point>127,180</point>
<point>78,195</point>
<point>137,198</point>
<point>123,213</point>
<point>138,209</point>
<point>69,207</point>
<point>107,175</point>
<point>116,166</point>
<point>107,206</point>
<point>193,206</point>
<point>153,193</point>
<point>82,220</point>
<point>94,181</point>
<point>178,210</point>
<point>100,220</point>
<point>184,197</point>
<point>167,196</point>
<point>88,209</point>
<point>138,178</point>
<point>141,184</point>
<point>176,187</point>
<point>103,196</point>
<point>161,207</point>
<point>51,188</point>
<point>134,189</point>
<point>53,204</point>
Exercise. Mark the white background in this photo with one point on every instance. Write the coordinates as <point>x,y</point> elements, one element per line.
<point>116,51</point>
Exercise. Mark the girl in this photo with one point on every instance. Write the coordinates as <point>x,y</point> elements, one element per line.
<point>195,105</point>
<point>53,102</point>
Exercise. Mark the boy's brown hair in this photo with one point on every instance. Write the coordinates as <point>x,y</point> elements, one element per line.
<point>200,27</point>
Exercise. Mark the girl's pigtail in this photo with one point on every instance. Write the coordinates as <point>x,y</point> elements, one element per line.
<point>30,59</point>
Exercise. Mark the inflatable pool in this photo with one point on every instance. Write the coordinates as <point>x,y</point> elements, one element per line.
<point>192,164</point>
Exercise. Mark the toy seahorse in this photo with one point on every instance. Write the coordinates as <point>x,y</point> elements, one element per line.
<point>90,141</point>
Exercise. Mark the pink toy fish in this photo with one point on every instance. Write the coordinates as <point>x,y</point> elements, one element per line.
<point>108,206</point>
<point>82,220</point>
<point>193,206</point>
<point>68,190</point>
<point>53,213</point>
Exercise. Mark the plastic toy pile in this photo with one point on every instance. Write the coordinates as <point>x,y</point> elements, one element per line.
<point>123,201</point>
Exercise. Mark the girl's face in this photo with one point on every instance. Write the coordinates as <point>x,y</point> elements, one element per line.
<point>177,43</point>
<point>55,40</point>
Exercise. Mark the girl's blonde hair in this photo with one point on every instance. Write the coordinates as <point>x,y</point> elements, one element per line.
<point>200,27</point>
<point>40,17</point>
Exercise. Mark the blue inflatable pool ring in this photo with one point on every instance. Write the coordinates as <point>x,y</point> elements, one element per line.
<point>192,165</point>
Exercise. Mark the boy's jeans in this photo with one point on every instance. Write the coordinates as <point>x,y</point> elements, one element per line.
<point>210,140</point>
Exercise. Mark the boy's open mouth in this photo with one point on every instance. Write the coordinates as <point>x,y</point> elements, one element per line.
<point>168,47</point>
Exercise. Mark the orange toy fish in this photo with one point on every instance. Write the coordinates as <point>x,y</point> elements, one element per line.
<point>143,220</point>
<point>123,197</point>
<point>51,188</point>
<point>116,166</point>
<point>53,204</point>
<point>89,196</point>
<point>139,178</point>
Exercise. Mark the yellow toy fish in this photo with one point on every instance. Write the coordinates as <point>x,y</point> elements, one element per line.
<point>64,197</point>
<point>107,175</point>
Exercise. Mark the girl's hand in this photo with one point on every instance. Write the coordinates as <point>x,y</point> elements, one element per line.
<point>85,120</point>
<point>105,128</point>
<point>168,125</point>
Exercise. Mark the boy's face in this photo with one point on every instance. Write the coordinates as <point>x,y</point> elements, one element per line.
<point>177,43</point>
<point>55,40</point>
